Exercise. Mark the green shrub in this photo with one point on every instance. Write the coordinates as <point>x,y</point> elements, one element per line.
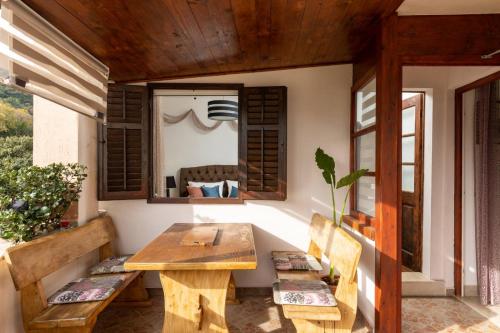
<point>33,199</point>
<point>16,152</point>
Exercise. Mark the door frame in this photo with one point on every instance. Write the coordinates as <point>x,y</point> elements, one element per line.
<point>458,184</point>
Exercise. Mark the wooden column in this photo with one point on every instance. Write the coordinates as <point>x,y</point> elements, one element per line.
<point>388,181</point>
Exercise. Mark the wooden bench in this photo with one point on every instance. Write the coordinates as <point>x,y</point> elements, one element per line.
<point>32,261</point>
<point>344,252</point>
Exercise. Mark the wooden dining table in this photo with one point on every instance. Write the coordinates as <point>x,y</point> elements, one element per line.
<point>195,262</point>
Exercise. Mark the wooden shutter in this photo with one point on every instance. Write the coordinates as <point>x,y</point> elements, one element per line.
<point>123,144</point>
<point>263,143</point>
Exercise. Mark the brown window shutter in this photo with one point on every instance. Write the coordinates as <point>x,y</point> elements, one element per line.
<point>123,144</point>
<point>263,143</point>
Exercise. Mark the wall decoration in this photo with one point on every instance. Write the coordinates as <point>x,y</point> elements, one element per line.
<point>170,119</point>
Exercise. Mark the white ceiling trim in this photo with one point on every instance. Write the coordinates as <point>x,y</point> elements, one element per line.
<point>448,7</point>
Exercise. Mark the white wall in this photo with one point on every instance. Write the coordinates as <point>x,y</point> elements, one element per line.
<point>185,145</point>
<point>318,115</point>
<point>443,81</point>
<point>59,135</point>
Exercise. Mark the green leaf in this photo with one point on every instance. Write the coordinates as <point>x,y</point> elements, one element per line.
<point>327,164</point>
<point>327,176</point>
<point>351,178</point>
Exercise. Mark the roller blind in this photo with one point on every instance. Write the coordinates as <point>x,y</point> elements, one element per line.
<point>39,59</point>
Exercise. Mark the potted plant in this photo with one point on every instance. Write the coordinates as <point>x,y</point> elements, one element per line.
<point>326,164</point>
<point>33,199</point>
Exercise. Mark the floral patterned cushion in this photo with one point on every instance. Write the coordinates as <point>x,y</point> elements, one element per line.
<point>295,261</point>
<point>303,292</point>
<point>95,288</point>
<point>110,265</point>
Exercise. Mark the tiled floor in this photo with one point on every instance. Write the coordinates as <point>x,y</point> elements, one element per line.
<point>260,314</point>
<point>443,314</point>
<point>492,312</point>
<point>254,314</point>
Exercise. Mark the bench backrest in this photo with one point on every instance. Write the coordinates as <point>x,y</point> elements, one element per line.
<point>321,232</point>
<point>30,262</point>
<point>344,253</point>
<point>340,248</point>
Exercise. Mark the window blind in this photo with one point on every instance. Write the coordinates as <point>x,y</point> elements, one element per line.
<point>263,143</point>
<point>39,59</point>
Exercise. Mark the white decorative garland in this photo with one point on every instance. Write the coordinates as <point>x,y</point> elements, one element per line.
<point>170,119</point>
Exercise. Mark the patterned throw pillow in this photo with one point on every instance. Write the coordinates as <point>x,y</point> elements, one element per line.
<point>110,265</point>
<point>195,192</point>
<point>295,261</point>
<point>303,292</point>
<point>96,288</point>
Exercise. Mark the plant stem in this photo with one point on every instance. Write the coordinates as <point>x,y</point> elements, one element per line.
<point>333,200</point>
<point>343,207</point>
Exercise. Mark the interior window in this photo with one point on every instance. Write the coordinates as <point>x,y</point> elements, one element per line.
<point>195,144</point>
<point>364,148</point>
<point>165,140</point>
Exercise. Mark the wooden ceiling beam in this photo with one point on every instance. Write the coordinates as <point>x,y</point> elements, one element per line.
<point>448,40</point>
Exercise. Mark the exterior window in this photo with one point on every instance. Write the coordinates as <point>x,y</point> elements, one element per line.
<point>364,149</point>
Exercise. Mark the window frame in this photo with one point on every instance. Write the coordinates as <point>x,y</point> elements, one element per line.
<point>354,134</point>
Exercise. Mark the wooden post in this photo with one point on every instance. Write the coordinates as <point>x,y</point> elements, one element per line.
<point>388,181</point>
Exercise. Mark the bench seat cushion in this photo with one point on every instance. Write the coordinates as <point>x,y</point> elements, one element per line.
<point>110,265</point>
<point>77,314</point>
<point>303,292</point>
<point>295,261</point>
<point>91,289</point>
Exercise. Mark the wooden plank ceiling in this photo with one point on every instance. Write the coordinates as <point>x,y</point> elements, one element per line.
<point>163,39</point>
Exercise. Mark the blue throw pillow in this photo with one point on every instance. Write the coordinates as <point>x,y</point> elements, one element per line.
<point>210,192</point>
<point>234,192</point>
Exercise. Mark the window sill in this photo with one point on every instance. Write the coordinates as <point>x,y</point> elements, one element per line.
<point>197,201</point>
<point>364,228</point>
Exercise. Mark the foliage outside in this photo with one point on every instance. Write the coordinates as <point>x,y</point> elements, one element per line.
<point>326,164</point>
<point>15,121</point>
<point>33,199</point>
<point>16,152</point>
<point>16,98</point>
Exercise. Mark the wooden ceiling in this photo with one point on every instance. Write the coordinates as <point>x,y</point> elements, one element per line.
<point>164,39</point>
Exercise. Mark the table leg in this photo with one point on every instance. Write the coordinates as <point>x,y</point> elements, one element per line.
<point>195,301</point>
<point>231,292</point>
